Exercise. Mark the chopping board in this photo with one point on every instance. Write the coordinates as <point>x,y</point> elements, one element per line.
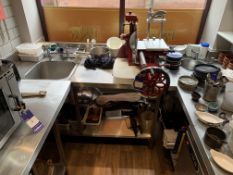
<point>122,72</point>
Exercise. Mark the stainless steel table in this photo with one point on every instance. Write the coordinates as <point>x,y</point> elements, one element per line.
<point>20,151</point>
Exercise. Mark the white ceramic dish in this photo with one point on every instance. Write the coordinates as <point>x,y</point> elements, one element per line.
<point>222,160</point>
<point>180,48</point>
<point>114,44</point>
<point>209,119</point>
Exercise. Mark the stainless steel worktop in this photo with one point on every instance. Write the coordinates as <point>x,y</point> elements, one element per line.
<point>104,78</point>
<point>19,153</point>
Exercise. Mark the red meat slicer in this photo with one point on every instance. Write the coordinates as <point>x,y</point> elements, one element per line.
<point>151,81</point>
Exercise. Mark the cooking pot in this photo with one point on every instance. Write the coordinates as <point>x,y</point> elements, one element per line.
<point>99,51</point>
<point>214,137</point>
<point>173,59</point>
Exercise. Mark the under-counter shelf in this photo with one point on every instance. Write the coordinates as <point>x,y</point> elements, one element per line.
<point>114,128</point>
<point>227,36</point>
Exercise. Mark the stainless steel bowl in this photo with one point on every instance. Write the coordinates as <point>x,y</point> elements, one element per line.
<point>99,51</point>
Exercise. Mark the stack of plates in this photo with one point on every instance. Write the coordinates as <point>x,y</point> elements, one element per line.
<point>174,60</point>
<point>187,83</point>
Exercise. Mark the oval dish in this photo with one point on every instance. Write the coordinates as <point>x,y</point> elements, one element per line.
<point>209,119</point>
<point>222,160</point>
<point>187,82</point>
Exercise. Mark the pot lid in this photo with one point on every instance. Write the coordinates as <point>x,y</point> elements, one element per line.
<point>206,68</point>
<point>174,56</point>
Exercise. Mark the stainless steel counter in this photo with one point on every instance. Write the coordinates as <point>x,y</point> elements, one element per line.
<point>104,78</point>
<point>19,153</point>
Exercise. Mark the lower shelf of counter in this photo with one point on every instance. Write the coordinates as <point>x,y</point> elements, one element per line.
<point>113,128</point>
<point>116,128</point>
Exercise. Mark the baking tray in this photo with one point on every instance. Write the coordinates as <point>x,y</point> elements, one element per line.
<point>92,115</point>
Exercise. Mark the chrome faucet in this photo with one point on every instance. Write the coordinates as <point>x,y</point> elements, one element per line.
<point>47,52</point>
<point>196,54</point>
<point>158,16</point>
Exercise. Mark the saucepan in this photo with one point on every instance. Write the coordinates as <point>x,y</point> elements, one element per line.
<point>214,137</point>
<point>99,51</point>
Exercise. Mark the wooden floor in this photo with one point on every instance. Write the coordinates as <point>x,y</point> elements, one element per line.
<point>115,159</point>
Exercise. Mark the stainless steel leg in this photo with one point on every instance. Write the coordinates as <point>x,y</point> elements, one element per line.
<point>59,143</point>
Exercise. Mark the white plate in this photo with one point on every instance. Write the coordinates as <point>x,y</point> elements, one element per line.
<point>208,118</point>
<point>222,160</point>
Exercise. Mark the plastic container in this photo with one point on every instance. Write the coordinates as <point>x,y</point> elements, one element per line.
<point>30,49</point>
<point>32,58</point>
<point>203,50</point>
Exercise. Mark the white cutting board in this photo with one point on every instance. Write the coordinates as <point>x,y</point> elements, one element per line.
<point>122,72</point>
<point>152,45</point>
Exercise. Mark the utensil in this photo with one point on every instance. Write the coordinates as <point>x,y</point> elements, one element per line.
<point>209,119</point>
<point>213,107</point>
<point>201,71</point>
<point>33,94</point>
<point>195,96</point>
<point>174,59</point>
<point>88,95</point>
<point>211,91</point>
<point>99,51</point>
<point>222,160</point>
<point>214,137</point>
<point>201,107</point>
<point>114,44</point>
<point>187,82</point>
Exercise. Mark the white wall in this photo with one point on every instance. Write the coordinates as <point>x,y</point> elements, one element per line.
<point>28,20</point>
<point>33,20</point>
<point>213,22</point>
<point>22,25</point>
<point>7,45</point>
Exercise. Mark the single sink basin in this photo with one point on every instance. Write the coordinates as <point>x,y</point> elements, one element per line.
<point>189,63</point>
<point>51,70</point>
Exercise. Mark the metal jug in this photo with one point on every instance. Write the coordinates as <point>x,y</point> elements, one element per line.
<point>212,89</point>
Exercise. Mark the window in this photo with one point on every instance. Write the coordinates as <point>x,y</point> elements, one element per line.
<point>82,3</point>
<point>78,20</point>
<point>167,4</point>
<point>140,4</point>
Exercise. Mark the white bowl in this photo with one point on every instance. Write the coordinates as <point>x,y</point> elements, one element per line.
<point>114,44</point>
<point>180,48</point>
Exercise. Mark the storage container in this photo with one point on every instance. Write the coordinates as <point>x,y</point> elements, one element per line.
<point>33,58</point>
<point>203,50</point>
<point>31,49</point>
